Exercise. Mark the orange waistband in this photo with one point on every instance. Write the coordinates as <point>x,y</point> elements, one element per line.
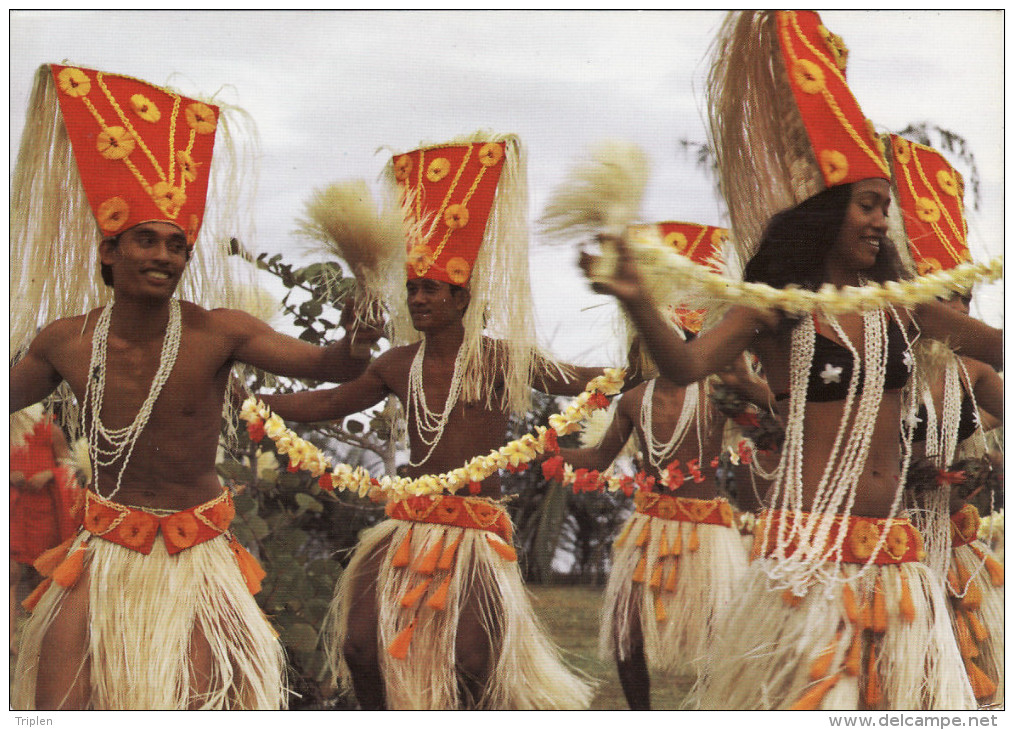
<point>447,509</point>
<point>902,544</point>
<point>965,526</point>
<point>135,528</point>
<point>715,511</point>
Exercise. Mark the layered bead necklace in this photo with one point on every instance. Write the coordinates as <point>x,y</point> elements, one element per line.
<point>121,441</point>
<point>427,421</point>
<point>658,453</point>
<point>835,493</point>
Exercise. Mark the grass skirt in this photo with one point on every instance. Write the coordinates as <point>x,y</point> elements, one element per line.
<point>877,641</point>
<point>142,612</point>
<point>678,614</point>
<point>528,672</point>
<point>975,605</point>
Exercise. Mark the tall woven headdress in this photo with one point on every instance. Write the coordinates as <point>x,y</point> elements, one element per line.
<point>465,203</point>
<point>784,125</point>
<point>100,153</point>
<point>930,198</point>
<point>702,244</point>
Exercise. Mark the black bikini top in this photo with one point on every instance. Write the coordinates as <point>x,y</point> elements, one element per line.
<point>967,423</point>
<point>831,367</point>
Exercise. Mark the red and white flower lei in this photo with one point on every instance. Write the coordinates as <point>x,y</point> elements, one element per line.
<point>514,456</point>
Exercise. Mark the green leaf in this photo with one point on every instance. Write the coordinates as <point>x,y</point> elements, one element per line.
<point>245,504</point>
<point>257,526</point>
<point>308,503</point>
<point>353,426</point>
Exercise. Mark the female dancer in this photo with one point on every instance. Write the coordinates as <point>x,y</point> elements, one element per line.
<point>837,613</point>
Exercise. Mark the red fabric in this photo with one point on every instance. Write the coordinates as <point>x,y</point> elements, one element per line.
<point>930,195</point>
<point>41,520</point>
<point>135,529</point>
<point>444,509</point>
<point>684,509</point>
<point>183,125</point>
<point>436,180</point>
<point>833,119</point>
<point>903,543</point>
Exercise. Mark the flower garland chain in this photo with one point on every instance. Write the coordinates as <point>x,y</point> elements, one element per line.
<point>514,456</point>
<point>668,266</point>
<point>672,477</point>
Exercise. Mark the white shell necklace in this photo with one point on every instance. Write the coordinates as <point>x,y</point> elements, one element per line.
<point>658,452</point>
<point>425,419</point>
<point>122,440</point>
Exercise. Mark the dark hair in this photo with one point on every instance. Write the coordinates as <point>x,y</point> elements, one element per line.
<point>106,270</point>
<point>796,243</point>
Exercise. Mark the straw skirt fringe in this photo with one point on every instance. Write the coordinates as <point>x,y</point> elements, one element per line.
<point>771,655</point>
<point>987,649</point>
<point>678,615</point>
<point>142,612</point>
<point>528,672</point>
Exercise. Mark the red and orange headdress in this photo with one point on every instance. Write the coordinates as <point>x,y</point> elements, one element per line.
<point>930,197</point>
<point>465,204</point>
<point>784,123</point>
<point>700,243</point>
<point>449,194</point>
<point>102,152</point>
<point>143,152</point>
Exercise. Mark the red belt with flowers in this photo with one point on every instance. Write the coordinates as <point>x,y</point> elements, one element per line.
<point>135,528</point>
<point>451,510</point>
<point>715,511</point>
<point>902,544</point>
<point>965,526</point>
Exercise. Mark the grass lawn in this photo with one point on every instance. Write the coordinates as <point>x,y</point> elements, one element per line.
<point>571,614</point>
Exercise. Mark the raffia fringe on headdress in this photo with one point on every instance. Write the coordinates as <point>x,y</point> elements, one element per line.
<point>500,305</point>
<point>428,574</point>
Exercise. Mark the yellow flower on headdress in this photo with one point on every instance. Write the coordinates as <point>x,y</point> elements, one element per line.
<point>927,210</point>
<point>490,154</point>
<point>458,270</point>
<point>456,216</point>
<point>402,167</point>
<point>835,44</point>
<point>438,169</point>
<point>808,76</point>
<point>145,108</point>
<point>719,236</point>
<point>834,165</point>
<point>112,214</point>
<point>74,82</point>
<point>947,183</point>
<point>928,266</point>
<point>677,240</point>
<point>902,151</point>
<point>420,258</point>
<point>201,118</point>
<point>168,198</point>
<point>188,166</point>
<point>115,143</point>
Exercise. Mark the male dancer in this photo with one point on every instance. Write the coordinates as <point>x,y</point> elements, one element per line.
<point>150,605</point>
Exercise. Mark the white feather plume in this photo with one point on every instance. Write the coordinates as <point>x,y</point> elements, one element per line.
<point>600,195</point>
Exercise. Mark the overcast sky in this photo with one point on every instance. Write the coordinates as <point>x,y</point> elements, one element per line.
<point>327,89</point>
